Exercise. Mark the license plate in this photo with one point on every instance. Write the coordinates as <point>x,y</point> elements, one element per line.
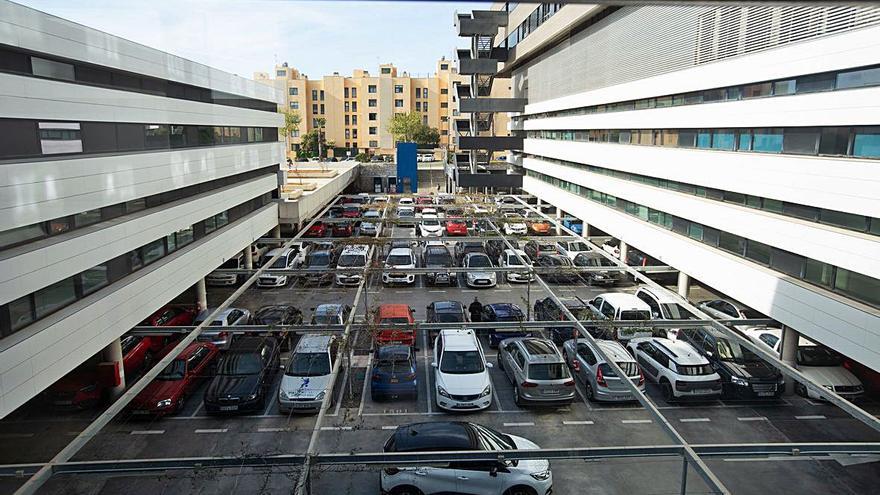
<point>703,391</point>
<point>551,391</point>
<point>765,394</point>
<point>141,412</point>
<point>229,408</point>
<point>466,404</point>
<point>302,405</point>
<point>394,380</point>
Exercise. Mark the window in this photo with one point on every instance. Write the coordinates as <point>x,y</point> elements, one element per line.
<point>444,105</point>
<point>18,138</point>
<point>280,73</point>
<point>758,252</point>
<point>784,87</point>
<point>786,262</point>
<point>153,251</point>
<point>386,70</point>
<point>443,91</point>
<point>354,119</point>
<point>52,69</point>
<point>156,136</point>
<point>314,94</point>
<point>704,139</point>
<point>418,106</point>
<point>93,279</point>
<point>815,83</point>
<point>314,108</point>
<point>294,105</point>
<point>322,109</point>
<point>322,95</point>
<point>371,116</point>
<point>371,88</point>
<point>802,141</point>
<point>398,103</point>
<point>834,141</point>
<point>732,243</point>
<point>866,142</point>
<point>22,234</point>
<point>347,120</point>
<point>845,220</point>
<point>398,88</point>
<point>859,78</point>
<point>757,90</point>
<point>723,139</point>
<point>767,140</point>
<point>354,133</point>
<point>293,91</point>
<point>444,66</point>
<point>60,137</point>
<point>374,144</point>
<point>21,312</point>
<point>857,285</point>
<point>354,106</point>
<point>745,141</point>
<point>425,106</point>
<point>54,297</point>
<point>346,92</point>
<point>87,218</point>
<point>348,134</point>
<point>818,272</point>
<point>371,103</point>
<point>354,92</point>
<point>373,131</point>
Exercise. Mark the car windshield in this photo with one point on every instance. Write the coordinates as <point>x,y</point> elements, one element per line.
<point>514,260</point>
<point>319,259</point>
<point>431,222</point>
<point>308,364</point>
<point>174,371</point>
<point>578,246</point>
<point>492,440</point>
<point>461,362</point>
<point>733,352</point>
<point>280,263</point>
<point>592,261</point>
<point>479,262</point>
<point>635,315</point>
<point>352,209</point>
<point>814,355</point>
<point>438,257</point>
<point>449,317</point>
<point>548,371</point>
<point>674,311</point>
<point>351,260</point>
<point>394,319</point>
<point>399,259</point>
<point>325,319</point>
<point>240,363</point>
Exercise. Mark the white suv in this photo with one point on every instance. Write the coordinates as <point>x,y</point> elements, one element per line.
<point>677,367</point>
<point>461,372</point>
<point>399,258</point>
<point>352,257</point>
<point>513,225</point>
<point>429,226</point>
<point>531,476</point>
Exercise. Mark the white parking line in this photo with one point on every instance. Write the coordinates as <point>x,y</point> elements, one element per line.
<point>198,410</point>
<point>636,421</point>
<point>438,291</point>
<point>753,418</point>
<point>429,391</point>
<point>403,292</point>
<point>814,416</point>
<point>695,420</point>
<point>212,430</point>
<point>271,430</point>
<point>527,423</point>
<point>147,432</point>
<point>573,423</point>
<point>389,427</point>
<point>366,382</point>
<point>337,428</point>
<point>503,290</point>
<point>342,388</point>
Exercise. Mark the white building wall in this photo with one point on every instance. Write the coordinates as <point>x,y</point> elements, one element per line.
<point>65,339</point>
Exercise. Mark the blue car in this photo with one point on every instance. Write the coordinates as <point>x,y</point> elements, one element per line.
<point>503,312</point>
<point>394,373</point>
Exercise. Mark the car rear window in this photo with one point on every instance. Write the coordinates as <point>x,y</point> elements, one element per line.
<point>548,371</point>
<point>394,319</point>
<point>635,315</point>
<point>694,370</point>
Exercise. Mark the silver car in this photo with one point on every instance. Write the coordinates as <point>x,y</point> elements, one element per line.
<point>229,317</point>
<point>537,371</point>
<point>601,382</point>
<point>307,376</point>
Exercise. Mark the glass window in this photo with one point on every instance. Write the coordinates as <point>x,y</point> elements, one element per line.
<point>818,82</point>
<point>866,142</point>
<point>22,234</point>
<point>834,141</point>
<point>664,101</point>
<point>222,218</point>
<point>171,242</point>
<point>732,243</point>
<point>695,231</point>
<point>153,251</point>
<point>711,95</point>
<point>757,90</point>
<point>773,205</point>
<point>50,68</point>
<point>800,211</point>
<point>800,140</point>
<point>156,136</point>
<point>734,197</point>
<point>723,139</point>
<point>784,87</point>
<point>857,285</point>
<point>704,139</point>
<point>87,218</point>
<point>210,225</point>
<point>710,236</point>
<point>845,220</point>
<point>21,312</point>
<point>93,279</point>
<point>687,139</point>
<point>818,272</point>
<point>786,262</point>
<point>858,78</point>
<point>758,251</point>
<point>767,140</point>
<point>54,297</point>
<point>745,140</point>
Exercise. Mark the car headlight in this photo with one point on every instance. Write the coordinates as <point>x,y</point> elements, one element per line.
<point>541,475</point>
<point>486,391</point>
<point>320,396</point>
<point>829,387</point>
<point>471,276</point>
<point>739,381</point>
<point>442,391</point>
<point>164,403</point>
<point>252,397</point>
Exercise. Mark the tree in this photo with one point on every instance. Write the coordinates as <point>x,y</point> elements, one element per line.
<point>404,126</point>
<point>320,122</point>
<point>309,142</point>
<point>291,123</point>
<point>427,136</point>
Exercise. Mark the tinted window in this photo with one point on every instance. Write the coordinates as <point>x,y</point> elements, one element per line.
<point>52,69</point>
<point>867,142</point>
<point>800,141</point>
<point>240,363</point>
<point>859,78</point>
<point>309,364</point>
<point>18,138</point>
<point>548,371</point>
<point>461,362</point>
<point>54,297</point>
<point>818,82</point>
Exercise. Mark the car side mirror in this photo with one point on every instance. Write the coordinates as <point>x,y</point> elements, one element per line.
<point>489,365</point>
<point>655,315</point>
<point>493,471</point>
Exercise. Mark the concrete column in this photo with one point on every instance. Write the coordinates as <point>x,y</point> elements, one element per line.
<point>248,259</point>
<point>558,221</point>
<point>201,294</point>
<point>684,284</point>
<point>276,231</point>
<point>585,228</point>
<point>788,355</point>
<point>623,250</point>
<point>113,354</point>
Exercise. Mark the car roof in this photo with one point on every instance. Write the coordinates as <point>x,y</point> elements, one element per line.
<point>679,351</point>
<point>355,249</point>
<point>313,343</point>
<point>613,349</point>
<point>393,310</point>
<point>661,296</point>
<point>539,350</point>
<point>459,339</point>
<point>624,300</point>
<point>434,436</point>
<point>249,344</point>
<point>508,252</point>
<point>572,302</point>
<point>447,306</point>
<point>401,251</point>
<point>476,254</point>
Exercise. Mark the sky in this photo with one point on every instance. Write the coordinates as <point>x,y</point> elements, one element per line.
<point>247,36</point>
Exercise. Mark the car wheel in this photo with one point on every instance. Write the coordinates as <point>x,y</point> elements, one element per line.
<point>500,362</point>
<point>406,490</point>
<point>591,396</point>
<point>516,399</point>
<point>668,394</point>
<point>521,490</point>
<point>800,389</point>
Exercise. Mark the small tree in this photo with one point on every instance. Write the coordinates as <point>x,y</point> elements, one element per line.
<point>362,157</point>
<point>320,122</point>
<point>404,126</point>
<point>427,136</point>
<point>309,143</point>
<point>291,124</point>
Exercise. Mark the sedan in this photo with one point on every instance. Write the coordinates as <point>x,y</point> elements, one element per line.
<point>168,392</point>
<point>561,268</point>
<point>278,314</point>
<point>318,229</point>
<point>243,376</point>
<point>456,226</point>
<point>343,229</point>
<point>480,273</point>
<point>229,317</point>
<point>394,373</point>
<point>351,210</point>
<point>172,315</point>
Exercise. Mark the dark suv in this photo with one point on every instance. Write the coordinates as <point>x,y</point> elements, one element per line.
<point>547,310</point>
<point>437,256</point>
<point>244,376</point>
<point>503,312</point>
<point>744,375</point>
<point>444,312</point>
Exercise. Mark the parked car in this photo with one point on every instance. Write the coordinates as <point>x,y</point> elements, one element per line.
<point>572,248</point>
<point>437,256</point>
<point>496,247</point>
<point>744,375</point>
<point>429,226</point>
<point>456,226</point>
<point>330,314</point>
<point>461,372</point>
<point>664,306</point>
<point>319,263</point>
<point>390,314</point>
<point>168,392</point>
<point>307,375</point>
<point>480,273</point>
<point>172,315</point>
<point>289,258</point>
<point>612,247</point>
<point>317,229</point>
<point>244,374</point>
<point>343,229</point>
<point>406,201</point>
<point>618,306</point>
<point>538,372</point>
<point>424,200</point>
<point>371,223</point>
<point>514,225</point>
<point>351,210</point>
<point>600,380</point>
<point>279,314</point>
<point>215,279</point>
<point>464,247</point>
<point>486,478</point>
<point>394,373</point>
<point>547,310</point>
<point>537,248</point>
<point>399,258</point>
<point>726,309</point>
<point>444,312</point>
<point>596,260</point>
<point>511,258</point>
<point>506,312</point>
<point>353,257</point>
<point>557,268</point>
<point>677,367</point>
<point>538,225</point>
<point>406,217</point>
<point>228,317</point>
<point>335,212</point>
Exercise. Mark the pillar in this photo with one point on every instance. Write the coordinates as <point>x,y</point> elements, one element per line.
<point>113,354</point>
<point>558,221</point>
<point>201,294</point>
<point>585,228</point>
<point>249,258</point>
<point>623,250</point>
<point>684,284</point>
<point>788,354</point>
<point>276,231</point>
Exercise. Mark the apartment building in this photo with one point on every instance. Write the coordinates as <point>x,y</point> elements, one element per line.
<point>738,144</point>
<point>358,108</point>
<point>128,174</point>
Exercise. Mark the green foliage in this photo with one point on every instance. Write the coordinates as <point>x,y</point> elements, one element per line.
<point>403,126</point>
<point>362,157</point>
<point>427,136</point>
<point>291,122</point>
<point>309,143</point>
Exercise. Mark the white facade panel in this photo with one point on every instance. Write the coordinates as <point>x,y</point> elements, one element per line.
<point>73,334</point>
<point>843,184</point>
<point>25,97</point>
<point>839,247</point>
<point>32,192</point>
<point>844,325</point>
<point>31,29</point>
<point>39,264</point>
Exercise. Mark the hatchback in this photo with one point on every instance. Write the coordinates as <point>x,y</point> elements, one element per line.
<point>394,373</point>
<point>537,371</point>
<point>600,380</point>
<point>307,376</point>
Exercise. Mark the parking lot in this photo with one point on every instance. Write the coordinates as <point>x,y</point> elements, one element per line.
<point>357,423</point>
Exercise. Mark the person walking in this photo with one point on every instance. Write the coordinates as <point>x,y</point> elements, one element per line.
<point>476,310</point>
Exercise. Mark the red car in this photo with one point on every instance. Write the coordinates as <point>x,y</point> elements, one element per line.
<point>343,229</point>
<point>424,200</point>
<point>172,316</point>
<point>395,313</point>
<point>456,227</point>
<point>318,229</point>
<point>351,211</point>
<point>168,392</point>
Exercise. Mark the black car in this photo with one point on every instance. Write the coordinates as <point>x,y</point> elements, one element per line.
<point>444,312</point>
<point>335,212</point>
<point>744,375</point>
<point>278,314</point>
<point>464,247</point>
<point>323,260</point>
<point>547,310</point>
<point>503,312</point>
<point>561,270</point>
<point>437,256</point>
<point>593,259</point>
<point>244,375</point>
<point>538,248</point>
<point>495,247</point>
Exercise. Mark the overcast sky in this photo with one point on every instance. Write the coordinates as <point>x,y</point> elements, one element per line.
<point>244,36</point>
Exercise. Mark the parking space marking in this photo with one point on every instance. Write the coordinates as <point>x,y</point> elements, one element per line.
<point>212,430</point>
<point>271,430</point>
<point>337,428</point>
<point>198,410</point>
<point>695,420</point>
<point>495,398</point>
<point>389,427</point>
<point>583,397</point>
<point>147,432</point>
<point>812,416</point>
<point>366,383</point>
<point>502,290</point>
<point>427,364</point>
<point>408,413</point>
<point>577,423</point>
<point>636,421</point>
<point>438,291</point>
<point>524,423</point>
<point>403,292</point>
<point>753,418</point>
